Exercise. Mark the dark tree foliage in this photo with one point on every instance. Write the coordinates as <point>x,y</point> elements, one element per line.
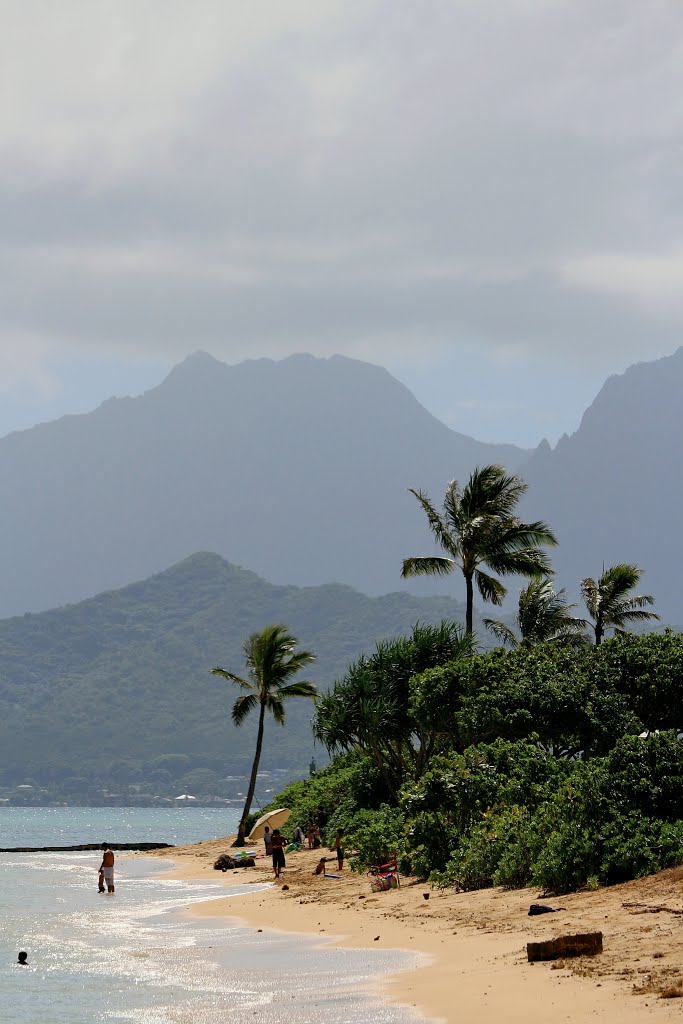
<point>553,767</point>
<point>369,708</point>
<point>479,528</point>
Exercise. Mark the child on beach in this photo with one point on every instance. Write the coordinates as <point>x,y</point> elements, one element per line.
<point>320,867</point>
<point>100,881</point>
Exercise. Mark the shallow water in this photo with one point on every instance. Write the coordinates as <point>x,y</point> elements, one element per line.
<point>135,957</point>
<point>73,826</point>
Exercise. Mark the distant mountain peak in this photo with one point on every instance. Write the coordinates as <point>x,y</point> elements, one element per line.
<point>199,364</point>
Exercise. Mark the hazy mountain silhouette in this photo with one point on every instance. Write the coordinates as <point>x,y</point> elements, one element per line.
<point>613,490</point>
<point>124,676</point>
<point>297,469</point>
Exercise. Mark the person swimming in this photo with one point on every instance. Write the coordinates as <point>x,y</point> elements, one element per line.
<point>22,959</point>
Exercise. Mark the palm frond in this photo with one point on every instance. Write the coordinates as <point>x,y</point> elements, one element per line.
<point>301,688</point>
<point>490,588</point>
<point>501,632</point>
<point>275,705</point>
<point>492,492</point>
<point>232,678</point>
<point>242,706</point>
<point>427,566</point>
<point>436,523</point>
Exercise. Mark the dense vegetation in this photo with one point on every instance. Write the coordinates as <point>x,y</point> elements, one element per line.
<point>555,766</point>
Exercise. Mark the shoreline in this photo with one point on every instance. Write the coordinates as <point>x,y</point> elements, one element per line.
<point>474,944</point>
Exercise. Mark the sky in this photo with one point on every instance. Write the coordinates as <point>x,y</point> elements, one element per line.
<point>483,196</point>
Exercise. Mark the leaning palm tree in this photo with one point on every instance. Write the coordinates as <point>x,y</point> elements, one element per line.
<point>478,528</point>
<point>608,603</point>
<point>543,616</point>
<point>272,659</point>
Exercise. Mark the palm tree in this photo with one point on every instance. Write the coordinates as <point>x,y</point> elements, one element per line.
<point>272,659</point>
<point>608,602</point>
<point>478,527</point>
<point>542,617</point>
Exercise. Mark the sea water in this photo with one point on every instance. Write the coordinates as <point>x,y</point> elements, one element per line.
<point>135,956</point>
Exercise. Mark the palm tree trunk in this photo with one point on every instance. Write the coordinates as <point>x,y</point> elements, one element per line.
<point>598,632</point>
<point>241,831</point>
<point>469,590</point>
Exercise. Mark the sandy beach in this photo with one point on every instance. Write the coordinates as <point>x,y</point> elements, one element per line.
<point>475,943</point>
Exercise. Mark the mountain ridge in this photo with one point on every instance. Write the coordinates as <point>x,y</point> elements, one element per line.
<point>255,462</point>
<point>124,676</point>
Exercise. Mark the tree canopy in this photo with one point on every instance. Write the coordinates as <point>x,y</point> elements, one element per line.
<point>479,528</point>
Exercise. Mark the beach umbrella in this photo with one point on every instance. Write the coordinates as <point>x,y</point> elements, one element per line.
<point>274,819</point>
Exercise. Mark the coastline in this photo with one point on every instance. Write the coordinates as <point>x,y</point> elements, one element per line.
<point>474,944</point>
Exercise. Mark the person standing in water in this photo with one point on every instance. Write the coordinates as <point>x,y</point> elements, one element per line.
<point>107,867</point>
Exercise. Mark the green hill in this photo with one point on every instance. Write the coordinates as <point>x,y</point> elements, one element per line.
<point>108,687</point>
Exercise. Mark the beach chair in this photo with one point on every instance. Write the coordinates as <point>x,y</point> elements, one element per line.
<point>387,875</point>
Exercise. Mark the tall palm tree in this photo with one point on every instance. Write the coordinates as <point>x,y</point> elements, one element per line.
<point>542,617</point>
<point>608,603</point>
<point>272,660</point>
<point>478,528</point>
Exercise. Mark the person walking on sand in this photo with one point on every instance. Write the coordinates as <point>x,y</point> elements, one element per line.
<point>339,847</point>
<point>268,840</point>
<point>278,843</point>
<point>107,867</point>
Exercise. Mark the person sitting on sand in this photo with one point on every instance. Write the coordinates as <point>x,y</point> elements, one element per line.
<point>278,842</point>
<point>22,959</point>
<point>320,867</point>
<point>107,867</point>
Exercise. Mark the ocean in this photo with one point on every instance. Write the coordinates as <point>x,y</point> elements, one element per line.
<point>135,957</point>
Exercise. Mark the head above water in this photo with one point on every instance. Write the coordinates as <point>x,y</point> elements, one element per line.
<point>22,958</point>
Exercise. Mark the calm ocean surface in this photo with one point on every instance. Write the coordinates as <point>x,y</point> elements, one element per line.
<point>134,957</point>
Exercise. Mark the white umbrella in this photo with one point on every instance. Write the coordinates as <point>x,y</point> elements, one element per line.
<point>273,819</point>
<point>185,796</point>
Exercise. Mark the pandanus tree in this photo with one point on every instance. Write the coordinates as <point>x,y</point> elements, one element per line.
<point>609,601</point>
<point>479,528</point>
<point>370,707</point>
<point>272,659</point>
<point>543,616</point>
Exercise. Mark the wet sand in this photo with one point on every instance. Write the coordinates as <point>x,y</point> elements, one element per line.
<point>475,943</point>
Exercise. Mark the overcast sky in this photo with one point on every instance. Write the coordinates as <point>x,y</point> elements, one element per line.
<point>484,196</point>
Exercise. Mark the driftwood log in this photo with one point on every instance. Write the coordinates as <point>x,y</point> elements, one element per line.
<point>566,945</point>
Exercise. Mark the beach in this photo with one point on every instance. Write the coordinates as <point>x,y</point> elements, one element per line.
<point>473,963</point>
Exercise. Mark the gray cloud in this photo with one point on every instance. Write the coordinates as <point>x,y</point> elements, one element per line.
<point>338,177</point>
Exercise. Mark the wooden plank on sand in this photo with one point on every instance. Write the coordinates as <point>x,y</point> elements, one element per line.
<point>566,945</point>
